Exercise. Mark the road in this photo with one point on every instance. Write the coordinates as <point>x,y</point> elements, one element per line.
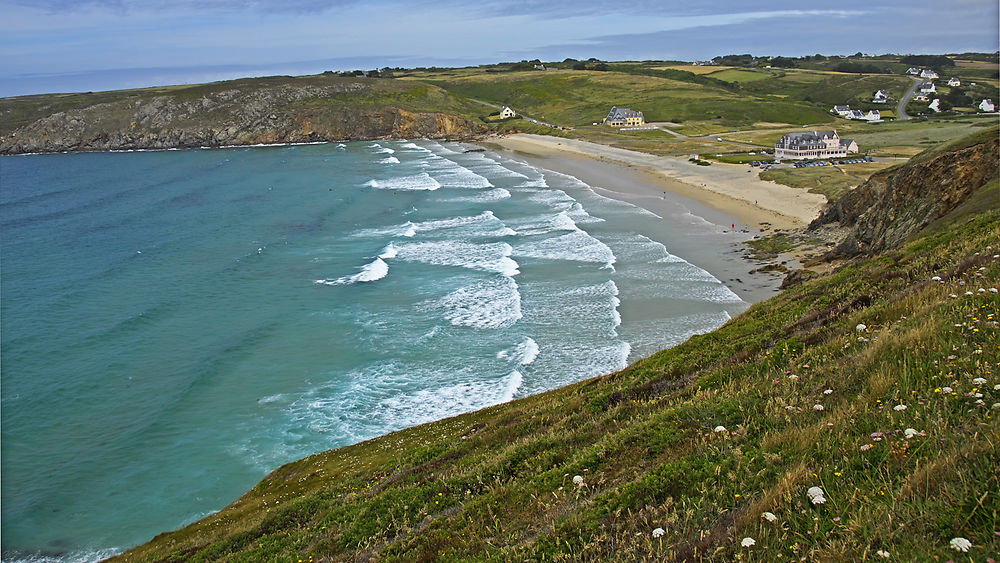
<point>901,108</point>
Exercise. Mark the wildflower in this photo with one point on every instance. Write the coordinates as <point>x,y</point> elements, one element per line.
<point>969,293</point>
<point>960,544</point>
<point>828,392</point>
<point>793,377</point>
<point>816,495</point>
<point>899,408</point>
<point>979,381</point>
<point>866,447</point>
<point>578,480</point>
<point>946,389</point>
<point>882,553</point>
<point>936,278</point>
<point>996,406</point>
<point>658,533</point>
<point>861,327</point>
<point>993,290</point>
<point>953,296</point>
<point>769,516</point>
<point>720,428</point>
<point>747,542</point>
<point>909,433</point>
<point>818,407</point>
<point>980,290</point>
<point>996,387</point>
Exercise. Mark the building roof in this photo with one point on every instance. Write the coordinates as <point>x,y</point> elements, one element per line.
<point>841,108</point>
<point>807,138</point>
<point>622,113</point>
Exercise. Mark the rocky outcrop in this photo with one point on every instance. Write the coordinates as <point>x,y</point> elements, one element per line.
<point>893,205</point>
<point>243,115</point>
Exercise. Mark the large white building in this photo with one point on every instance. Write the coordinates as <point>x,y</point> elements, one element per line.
<point>813,144</point>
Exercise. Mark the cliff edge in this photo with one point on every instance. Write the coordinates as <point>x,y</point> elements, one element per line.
<point>238,112</point>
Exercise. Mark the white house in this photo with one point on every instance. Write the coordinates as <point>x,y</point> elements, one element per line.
<point>881,97</point>
<point>954,82</point>
<point>927,88</point>
<point>813,144</point>
<point>842,111</point>
<point>928,74</point>
<point>873,115</point>
<point>856,114</point>
<point>987,105</point>
<point>507,113</point>
<point>913,71</point>
<point>624,117</point>
<point>920,98</point>
<point>935,105</point>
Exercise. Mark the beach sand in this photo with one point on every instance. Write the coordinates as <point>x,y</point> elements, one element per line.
<point>728,188</point>
<point>648,181</point>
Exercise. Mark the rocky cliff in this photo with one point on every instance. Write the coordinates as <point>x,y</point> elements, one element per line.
<point>247,112</point>
<point>895,204</point>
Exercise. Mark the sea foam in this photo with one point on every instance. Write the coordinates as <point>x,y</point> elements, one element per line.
<point>373,271</point>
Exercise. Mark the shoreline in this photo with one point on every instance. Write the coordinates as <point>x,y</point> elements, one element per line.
<point>715,245</point>
<point>726,188</point>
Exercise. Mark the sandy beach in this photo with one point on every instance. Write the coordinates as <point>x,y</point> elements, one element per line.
<point>737,206</point>
<point>727,188</point>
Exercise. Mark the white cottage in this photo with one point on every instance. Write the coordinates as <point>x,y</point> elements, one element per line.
<point>880,97</point>
<point>928,74</point>
<point>507,113</point>
<point>954,82</point>
<point>987,105</point>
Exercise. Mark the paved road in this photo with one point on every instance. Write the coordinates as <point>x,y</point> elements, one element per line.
<point>901,108</point>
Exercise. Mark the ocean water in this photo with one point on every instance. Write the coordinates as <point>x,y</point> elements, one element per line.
<point>177,324</point>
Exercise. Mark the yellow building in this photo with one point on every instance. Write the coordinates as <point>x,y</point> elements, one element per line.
<point>624,117</point>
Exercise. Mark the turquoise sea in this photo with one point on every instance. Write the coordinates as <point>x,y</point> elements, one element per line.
<point>174,325</point>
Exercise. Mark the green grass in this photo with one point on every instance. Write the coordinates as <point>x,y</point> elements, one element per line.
<point>497,484</point>
<point>830,181</point>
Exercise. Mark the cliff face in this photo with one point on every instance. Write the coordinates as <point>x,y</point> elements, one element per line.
<point>240,116</point>
<point>893,205</point>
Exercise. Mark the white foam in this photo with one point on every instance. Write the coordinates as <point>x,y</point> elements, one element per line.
<point>487,257</point>
<point>389,160</point>
<point>417,182</point>
<point>488,304</point>
<point>388,252</point>
<point>380,149</point>
<point>373,271</point>
<point>341,146</point>
<point>523,353</point>
<point>576,246</point>
<point>487,196</point>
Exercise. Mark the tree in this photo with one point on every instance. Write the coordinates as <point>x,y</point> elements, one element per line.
<point>579,65</point>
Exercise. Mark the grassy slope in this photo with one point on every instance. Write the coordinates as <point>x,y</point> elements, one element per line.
<point>576,98</point>
<point>497,483</point>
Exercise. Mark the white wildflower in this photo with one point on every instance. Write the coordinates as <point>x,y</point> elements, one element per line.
<point>946,389</point>
<point>978,395</point>
<point>793,377</point>
<point>882,553</point>
<point>979,381</point>
<point>996,406</point>
<point>828,392</point>
<point>993,290</point>
<point>909,433</point>
<point>769,516</point>
<point>747,542</point>
<point>899,408</point>
<point>861,327</point>
<point>578,480</point>
<point>953,296</point>
<point>960,544</point>
<point>816,495</point>
<point>969,293</point>
<point>996,387</point>
<point>818,407</point>
<point>936,278</point>
<point>658,533</point>
<point>720,428</point>
<point>980,290</point>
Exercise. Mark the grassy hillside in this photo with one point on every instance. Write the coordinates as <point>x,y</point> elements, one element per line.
<point>567,97</point>
<point>877,383</point>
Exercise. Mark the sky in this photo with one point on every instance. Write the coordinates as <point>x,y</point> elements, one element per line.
<point>92,45</point>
